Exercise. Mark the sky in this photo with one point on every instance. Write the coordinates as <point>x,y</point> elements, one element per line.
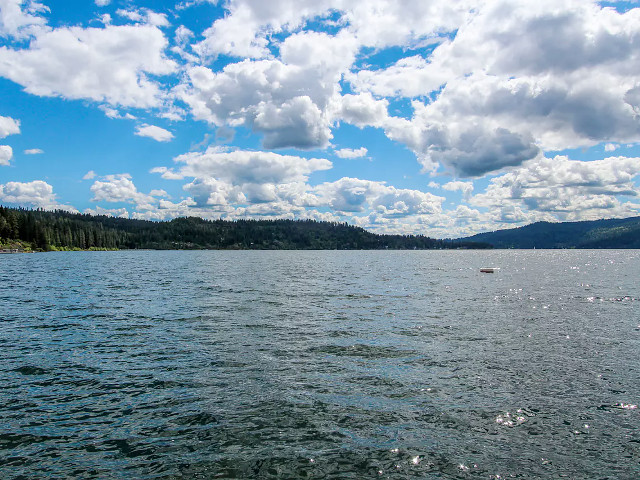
<point>424,117</point>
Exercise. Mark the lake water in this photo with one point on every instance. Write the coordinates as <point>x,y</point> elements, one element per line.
<point>333,364</point>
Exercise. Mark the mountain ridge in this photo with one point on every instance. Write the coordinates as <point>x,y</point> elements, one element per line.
<point>604,233</point>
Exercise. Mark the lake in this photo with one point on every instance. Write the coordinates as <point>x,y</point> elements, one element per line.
<point>320,364</point>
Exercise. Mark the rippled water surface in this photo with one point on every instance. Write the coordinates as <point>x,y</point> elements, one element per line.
<point>320,365</point>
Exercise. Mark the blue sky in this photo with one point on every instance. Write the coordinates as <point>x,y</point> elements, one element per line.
<point>438,118</point>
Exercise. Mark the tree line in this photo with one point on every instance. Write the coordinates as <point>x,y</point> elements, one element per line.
<point>55,230</point>
<point>605,233</point>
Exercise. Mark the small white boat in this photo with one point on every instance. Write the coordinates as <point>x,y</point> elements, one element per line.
<point>489,269</point>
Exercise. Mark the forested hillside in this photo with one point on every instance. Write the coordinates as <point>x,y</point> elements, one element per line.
<point>46,230</point>
<point>613,233</point>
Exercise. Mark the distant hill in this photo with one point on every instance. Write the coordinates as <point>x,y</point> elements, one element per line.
<point>44,230</point>
<point>613,233</point>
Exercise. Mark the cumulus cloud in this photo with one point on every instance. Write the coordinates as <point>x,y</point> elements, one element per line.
<point>89,175</point>
<point>565,189</point>
<point>490,84</point>
<point>183,35</point>
<point>34,194</point>
<point>290,100</point>
<point>110,64</point>
<point>242,33</point>
<point>241,166</point>
<point>236,184</point>
<point>102,3</point>
<point>363,110</point>
<point>469,149</point>
<point>144,15</point>
<point>211,191</point>
<point>491,88</point>
<point>504,87</point>
<point>33,151</point>
<point>294,100</point>
<point>408,77</point>
<point>352,152</point>
<point>120,188</point>
<point>611,147</point>
<point>19,18</point>
<point>157,133</point>
<point>6,154</point>
<point>158,193</point>
<point>356,195</point>
<point>465,187</point>
<point>9,126</point>
<point>222,176</point>
<point>115,113</point>
<point>298,123</point>
<point>108,212</point>
<point>245,31</point>
<point>483,87</point>
<point>167,173</point>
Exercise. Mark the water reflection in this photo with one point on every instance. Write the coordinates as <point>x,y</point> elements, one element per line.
<point>319,364</point>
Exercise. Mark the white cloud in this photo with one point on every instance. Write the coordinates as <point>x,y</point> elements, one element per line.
<point>496,90</point>
<point>223,177</point>
<point>386,23</point>
<point>465,187</point>
<point>173,113</point>
<point>362,202</point>
<point>108,212</point>
<point>363,110</point>
<point>183,35</point>
<point>483,87</point>
<point>211,191</point>
<point>166,173</point>
<point>244,183</point>
<point>144,15</point>
<point>245,31</point>
<point>34,194</point>
<point>298,123</point>
<point>89,175</point>
<point>102,3</point>
<point>291,101</point>
<point>120,188</point>
<point>241,166</point>
<point>115,114</point>
<point>357,196</point>
<point>408,77</point>
<point>152,131</point>
<point>504,87</point>
<point>294,100</point>
<point>33,151</point>
<point>468,149</point>
<point>6,154</point>
<point>9,126</point>
<point>19,18</point>
<point>352,153</point>
<point>564,189</point>
<point>110,64</point>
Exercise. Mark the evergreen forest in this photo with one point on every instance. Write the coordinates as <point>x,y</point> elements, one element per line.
<point>59,230</point>
<point>606,233</point>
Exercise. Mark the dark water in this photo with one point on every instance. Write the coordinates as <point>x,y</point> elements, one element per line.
<point>320,365</point>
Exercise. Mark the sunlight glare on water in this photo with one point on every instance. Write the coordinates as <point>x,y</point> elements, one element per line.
<point>274,364</point>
